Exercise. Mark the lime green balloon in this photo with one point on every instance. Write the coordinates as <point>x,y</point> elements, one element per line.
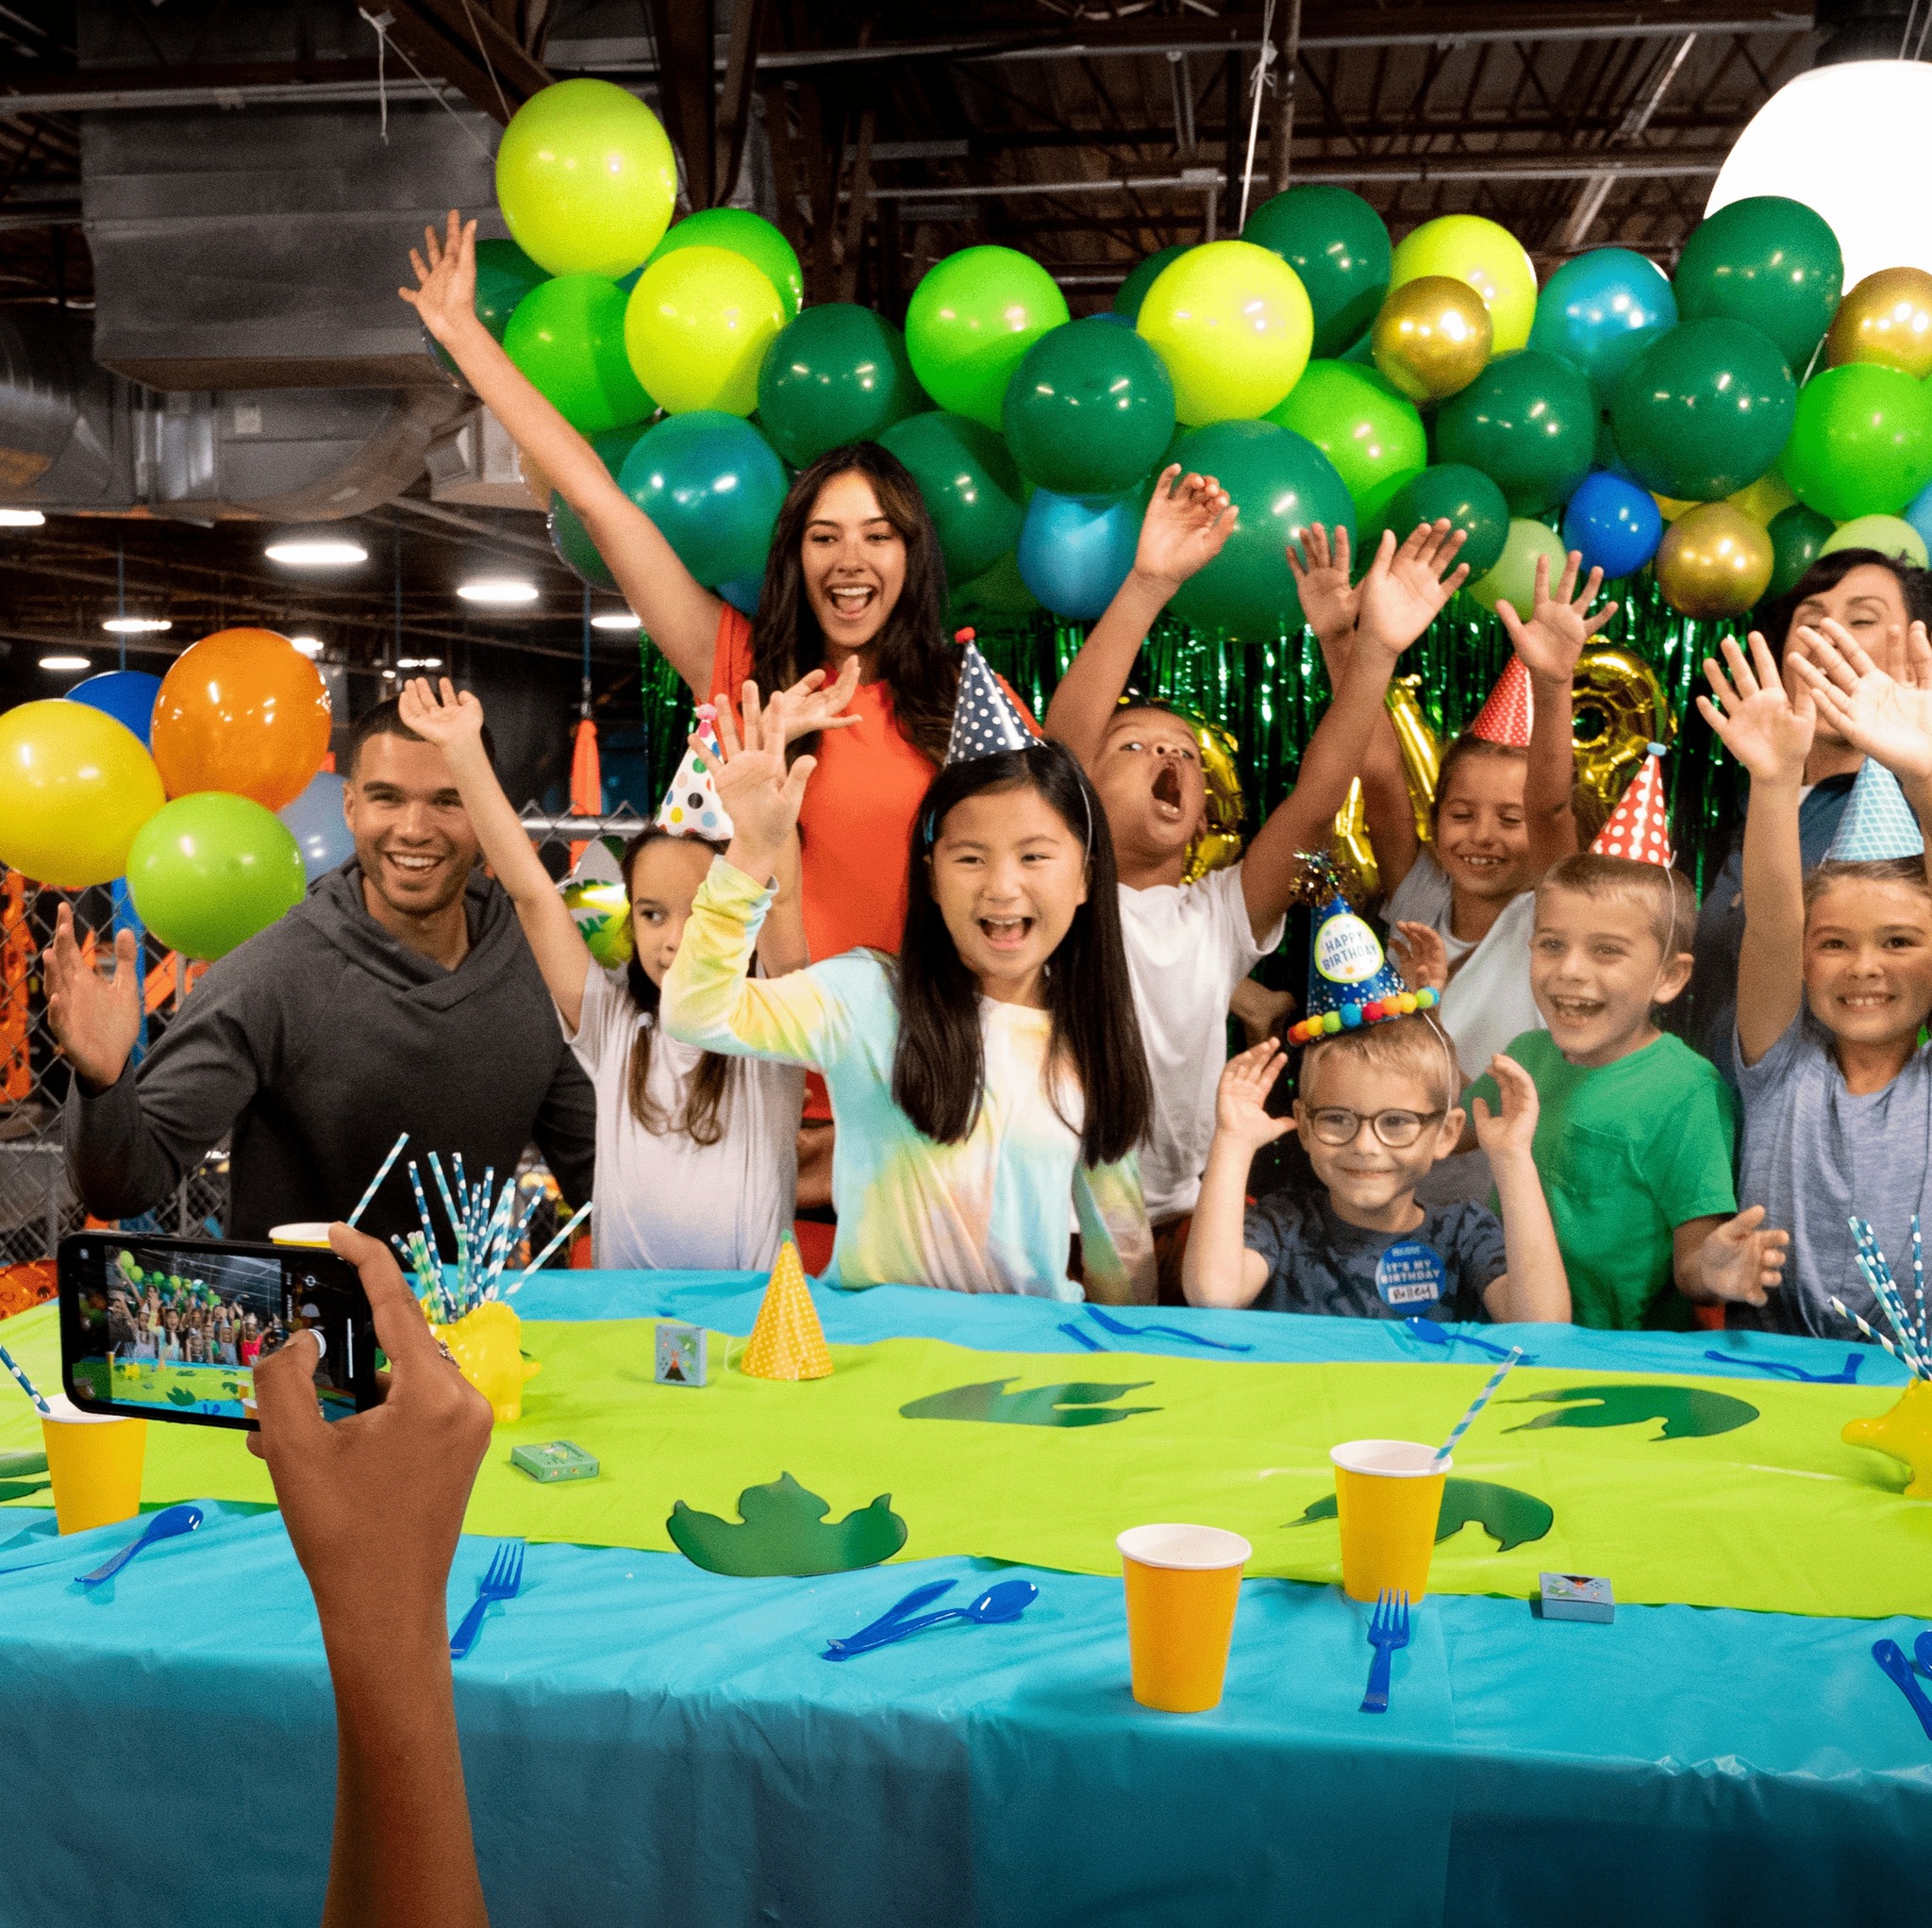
<point>567,335</point>
<point>1889,535</point>
<point>838,374</point>
<point>1467,499</point>
<point>743,233</point>
<point>1141,277</point>
<point>1512,580</point>
<point>1232,323</point>
<point>971,319</point>
<point>1089,411</point>
<point>1339,247</point>
<point>586,178</point>
<point>209,870</point>
<point>1488,257</point>
<point>1798,536</point>
<point>1371,433</point>
<point>697,328</point>
<point>1528,422</point>
<point>968,483</point>
<point>1769,262</point>
<point>1862,443</point>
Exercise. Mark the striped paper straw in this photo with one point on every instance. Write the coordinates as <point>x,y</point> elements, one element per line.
<point>423,1213</point>
<point>375,1183</point>
<point>1919,1284</point>
<point>576,1219</point>
<point>1844,1312</point>
<point>26,1385</point>
<point>1877,1276</point>
<point>1477,1405</point>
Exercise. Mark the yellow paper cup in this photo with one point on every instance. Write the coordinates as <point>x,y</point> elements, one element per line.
<point>1387,1498</point>
<point>310,1233</point>
<point>1183,1584</point>
<point>94,1463</point>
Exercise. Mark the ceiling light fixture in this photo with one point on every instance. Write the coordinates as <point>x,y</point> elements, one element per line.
<point>316,552</point>
<point>497,591</point>
<point>21,518</point>
<point>419,662</point>
<point>65,663</point>
<point>617,619</point>
<point>136,625</point>
<point>310,646</point>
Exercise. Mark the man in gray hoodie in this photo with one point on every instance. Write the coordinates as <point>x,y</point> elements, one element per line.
<point>399,995</point>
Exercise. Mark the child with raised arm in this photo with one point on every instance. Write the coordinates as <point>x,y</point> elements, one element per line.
<point>696,1153</point>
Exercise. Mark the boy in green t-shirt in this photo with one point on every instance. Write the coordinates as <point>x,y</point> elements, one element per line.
<point>1634,1140</point>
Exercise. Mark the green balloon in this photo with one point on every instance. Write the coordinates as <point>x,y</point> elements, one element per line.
<point>995,593</point>
<point>1281,483</point>
<point>1798,536</point>
<point>1470,502</point>
<point>209,870</point>
<point>1768,261</point>
<point>744,233</point>
<point>1862,443</point>
<point>1703,410</point>
<point>969,484</point>
<point>1359,420</point>
<point>1089,411</point>
<point>567,335</point>
<point>568,535</point>
<point>1141,277</point>
<point>504,276</point>
<point>1512,578</point>
<point>1528,422</point>
<point>710,483</point>
<point>838,374</point>
<point>972,318</point>
<point>1339,247</point>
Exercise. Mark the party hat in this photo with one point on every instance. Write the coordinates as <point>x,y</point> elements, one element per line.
<point>1639,826</point>
<point>1878,823</point>
<point>1349,982</point>
<point>691,806</point>
<point>1506,717</point>
<point>986,720</point>
<point>787,1341</point>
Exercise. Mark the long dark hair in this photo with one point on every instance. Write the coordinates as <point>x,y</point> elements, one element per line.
<point>1914,588</point>
<point>911,656</point>
<point>708,1095</point>
<point>939,1069</point>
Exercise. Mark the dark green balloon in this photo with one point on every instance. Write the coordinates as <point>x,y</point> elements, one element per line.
<point>568,535</point>
<point>1769,262</point>
<point>1089,411</point>
<point>1141,277</point>
<point>1281,483</point>
<point>969,484</point>
<point>1468,498</point>
<point>1705,409</point>
<point>1528,422</point>
<point>1339,247</point>
<point>504,276</point>
<point>1798,536</point>
<point>838,374</point>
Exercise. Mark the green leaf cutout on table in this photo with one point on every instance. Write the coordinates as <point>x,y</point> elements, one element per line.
<point>22,1465</point>
<point>1688,1412</point>
<point>19,1489</point>
<point>1510,1517</point>
<point>179,1395</point>
<point>1077,1403</point>
<point>785,1530</point>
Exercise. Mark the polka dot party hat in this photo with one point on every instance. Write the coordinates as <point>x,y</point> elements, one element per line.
<point>1639,826</point>
<point>691,806</point>
<point>1878,823</point>
<point>986,720</point>
<point>1506,717</point>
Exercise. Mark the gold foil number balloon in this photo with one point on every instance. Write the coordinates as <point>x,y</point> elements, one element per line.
<point>1218,842</point>
<point>1713,561</point>
<point>1350,851</point>
<point>1620,710</point>
<point>1422,750</point>
<point>1432,338</point>
<point>1886,319</point>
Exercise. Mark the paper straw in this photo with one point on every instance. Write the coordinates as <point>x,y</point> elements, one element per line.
<point>518,1233</point>
<point>1844,1312</point>
<point>1477,1405</point>
<point>26,1385</point>
<point>1877,1276</point>
<point>423,1212</point>
<point>1919,1282</point>
<point>576,1219</point>
<point>375,1183</point>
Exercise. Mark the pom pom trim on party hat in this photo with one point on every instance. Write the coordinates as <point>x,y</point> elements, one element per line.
<point>1351,1016</point>
<point>1351,982</point>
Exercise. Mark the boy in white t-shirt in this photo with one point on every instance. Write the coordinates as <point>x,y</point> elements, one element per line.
<point>1189,946</point>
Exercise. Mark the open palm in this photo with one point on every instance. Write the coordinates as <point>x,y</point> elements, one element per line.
<point>445,290</point>
<point>1406,588</point>
<point>1553,639</point>
<point>1872,709</point>
<point>1768,731</point>
<point>1329,599</point>
<point>1186,527</point>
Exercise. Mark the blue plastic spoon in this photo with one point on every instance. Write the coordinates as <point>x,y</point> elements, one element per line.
<point>165,1524</point>
<point>899,1610</point>
<point>1006,1602</point>
<point>1433,1333</point>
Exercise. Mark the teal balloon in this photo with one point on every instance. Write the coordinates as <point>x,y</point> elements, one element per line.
<point>1528,422</point>
<point>1089,411</point>
<point>713,486</point>
<point>1769,262</point>
<point>1281,483</point>
<point>1141,277</point>
<point>209,870</point>
<point>1798,536</point>
<point>1074,555</point>
<point>1467,499</point>
<point>1705,409</point>
<point>568,535</point>
<point>968,482</point>
<point>1339,246</point>
<point>567,335</point>
<point>838,374</point>
<point>1601,312</point>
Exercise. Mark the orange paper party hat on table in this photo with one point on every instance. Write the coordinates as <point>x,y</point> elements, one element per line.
<point>787,1341</point>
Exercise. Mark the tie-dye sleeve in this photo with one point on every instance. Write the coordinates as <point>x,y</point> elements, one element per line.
<point>1116,1243</point>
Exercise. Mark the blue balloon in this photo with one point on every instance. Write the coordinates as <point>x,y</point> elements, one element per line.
<point>1918,513</point>
<point>315,821</point>
<point>1074,554</point>
<point>1615,524</point>
<point>126,695</point>
<point>743,592</point>
<point>1600,312</point>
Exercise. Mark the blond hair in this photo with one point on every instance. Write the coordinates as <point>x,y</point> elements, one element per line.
<point>1416,1045</point>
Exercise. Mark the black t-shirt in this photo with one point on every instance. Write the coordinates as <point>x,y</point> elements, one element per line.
<point>1318,1262</point>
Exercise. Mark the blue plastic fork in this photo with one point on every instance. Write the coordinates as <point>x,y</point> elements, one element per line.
<point>501,1580</point>
<point>1898,1669</point>
<point>1388,1630</point>
<point>899,1610</point>
<point>1433,1333</point>
<point>1120,1329</point>
<point>1780,1368</point>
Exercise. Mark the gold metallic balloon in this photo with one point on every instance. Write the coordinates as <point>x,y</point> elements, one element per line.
<point>1432,336</point>
<point>1619,711</point>
<point>1422,750</point>
<point>1714,560</point>
<point>1219,840</point>
<point>1350,851</point>
<point>1887,319</point>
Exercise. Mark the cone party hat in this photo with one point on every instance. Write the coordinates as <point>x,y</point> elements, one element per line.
<point>1639,826</point>
<point>1350,982</point>
<point>1878,823</point>
<point>691,806</point>
<point>787,1341</point>
<point>986,720</point>
<point>1506,717</point>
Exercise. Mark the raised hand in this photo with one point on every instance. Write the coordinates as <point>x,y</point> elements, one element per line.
<point>1320,568</point>
<point>1744,1258</point>
<point>1406,587</point>
<point>1769,732</point>
<point>760,795</point>
<point>1885,712</point>
<point>1185,528</point>
<point>816,703</point>
<point>94,1018</point>
<point>1241,1099</point>
<point>1553,639</point>
<point>1421,955</point>
<point>1510,1132</point>
<point>445,290</point>
<point>454,717</point>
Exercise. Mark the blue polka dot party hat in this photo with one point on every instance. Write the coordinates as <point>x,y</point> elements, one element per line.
<point>1878,823</point>
<point>986,720</point>
<point>691,806</point>
<point>1351,982</point>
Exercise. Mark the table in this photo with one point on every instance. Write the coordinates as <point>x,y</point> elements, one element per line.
<point>646,1742</point>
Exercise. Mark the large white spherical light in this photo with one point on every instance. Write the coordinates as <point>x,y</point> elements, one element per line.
<point>1855,142</point>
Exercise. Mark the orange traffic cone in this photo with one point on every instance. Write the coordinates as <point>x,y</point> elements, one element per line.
<point>787,1341</point>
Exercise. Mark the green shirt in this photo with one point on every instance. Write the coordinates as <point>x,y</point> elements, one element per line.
<point>1627,1151</point>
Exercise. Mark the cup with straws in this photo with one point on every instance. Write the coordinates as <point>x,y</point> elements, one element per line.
<point>1906,1431</point>
<point>94,1460</point>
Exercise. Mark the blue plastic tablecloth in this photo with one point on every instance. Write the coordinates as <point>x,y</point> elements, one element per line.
<point>646,1742</point>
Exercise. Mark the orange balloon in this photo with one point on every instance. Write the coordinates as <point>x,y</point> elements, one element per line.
<point>242,711</point>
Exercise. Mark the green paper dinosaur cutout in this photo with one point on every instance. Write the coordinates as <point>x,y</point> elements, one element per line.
<point>19,1490</point>
<point>179,1395</point>
<point>1076,1403</point>
<point>1688,1412</point>
<point>785,1531</point>
<point>19,1465</point>
<point>1510,1517</point>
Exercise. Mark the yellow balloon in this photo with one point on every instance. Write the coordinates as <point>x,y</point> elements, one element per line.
<point>697,326</point>
<point>1233,325</point>
<point>1432,336</point>
<point>74,786</point>
<point>1714,560</point>
<point>1888,319</point>
<point>1764,498</point>
<point>1890,534</point>
<point>1489,258</point>
<point>1670,506</point>
<point>1619,711</point>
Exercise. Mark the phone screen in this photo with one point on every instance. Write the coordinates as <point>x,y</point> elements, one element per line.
<point>173,1328</point>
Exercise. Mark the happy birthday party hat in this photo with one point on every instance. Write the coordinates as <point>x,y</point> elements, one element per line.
<point>787,1341</point>
<point>1639,826</point>
<point>1506,717</point>
<point>1350,982</point>
<point>1878,823</point>
<point>691,806</point>
<point>986,720</point>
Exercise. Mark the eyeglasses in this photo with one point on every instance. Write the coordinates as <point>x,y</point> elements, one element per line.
<point>1334,1124</point>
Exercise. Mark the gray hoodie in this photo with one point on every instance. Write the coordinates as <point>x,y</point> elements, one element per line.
<point>313,1044</point>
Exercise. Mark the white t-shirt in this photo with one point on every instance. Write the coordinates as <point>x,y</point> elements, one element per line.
<point>1188,946</point>
<point>664,1202</point>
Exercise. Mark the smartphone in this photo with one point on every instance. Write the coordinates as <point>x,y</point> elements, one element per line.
<point>161,1328</point>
